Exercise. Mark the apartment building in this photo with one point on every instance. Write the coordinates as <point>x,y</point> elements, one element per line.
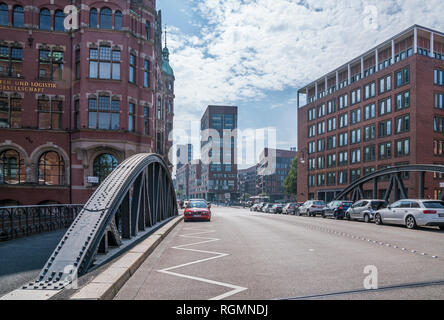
<point>381,109</point>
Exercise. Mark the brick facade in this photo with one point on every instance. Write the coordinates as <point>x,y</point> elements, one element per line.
<point>410,50</point>
<point>144,105</point>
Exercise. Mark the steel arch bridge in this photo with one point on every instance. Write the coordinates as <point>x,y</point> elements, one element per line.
<point>138,196</point>
<point>395,185</point>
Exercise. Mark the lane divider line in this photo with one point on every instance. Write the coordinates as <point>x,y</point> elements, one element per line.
<point>217,255</point>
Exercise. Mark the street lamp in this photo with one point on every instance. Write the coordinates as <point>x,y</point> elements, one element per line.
<point>303,161</point>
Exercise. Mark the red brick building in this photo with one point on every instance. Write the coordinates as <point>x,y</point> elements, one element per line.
<point>75,103</point>
<point>383,108</point>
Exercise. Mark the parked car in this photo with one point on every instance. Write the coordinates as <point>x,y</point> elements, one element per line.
<point>364,210</point>
<point>260,206</point>
<point>290,208</point>
<point>312,208</point>
<point>266,208</point>
<point>276,208</point>
<point>336,209</point>
<point>254,207</point>
<point>298,205</point>
<point>197,210</point>
<point>413,213</point>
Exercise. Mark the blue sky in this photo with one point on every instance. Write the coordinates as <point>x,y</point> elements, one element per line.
<point>256,53</point>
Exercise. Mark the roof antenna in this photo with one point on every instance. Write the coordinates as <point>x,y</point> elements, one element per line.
<point>165,36</point>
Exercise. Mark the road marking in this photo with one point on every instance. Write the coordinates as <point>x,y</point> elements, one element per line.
<point>218,255</point>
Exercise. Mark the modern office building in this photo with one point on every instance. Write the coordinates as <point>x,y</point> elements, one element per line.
<point>381,109</point>
<point>183,182</point>
<point>246,182</point>
<point>272,169</point>
<point>219,153</point>
<point>75,103</point>
<point>196,188</point>
<point>184,154</point>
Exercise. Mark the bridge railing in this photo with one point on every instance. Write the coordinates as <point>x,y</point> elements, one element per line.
<point>22,221</point>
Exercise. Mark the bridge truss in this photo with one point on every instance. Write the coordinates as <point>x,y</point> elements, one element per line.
<point>355,191</point>
<point>137,196</point>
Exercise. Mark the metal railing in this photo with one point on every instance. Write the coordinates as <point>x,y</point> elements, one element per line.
<point>22,221</point>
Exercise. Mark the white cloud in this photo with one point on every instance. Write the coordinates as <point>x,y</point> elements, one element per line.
<point>249,47</point>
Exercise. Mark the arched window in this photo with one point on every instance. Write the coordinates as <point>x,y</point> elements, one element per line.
<point>4,14</point>
<point>59,21</point>
<point>118,20</point>
<point>51,169</point>
<point>93,18</point>
<point>104,165</point>
<point>106,18</point>
<point>12,169</point>
<point>18,17</point>
<point>45,19</point>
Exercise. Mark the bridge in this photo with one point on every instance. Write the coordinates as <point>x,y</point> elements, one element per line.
<point>396,186</point>
<point>136,199</point>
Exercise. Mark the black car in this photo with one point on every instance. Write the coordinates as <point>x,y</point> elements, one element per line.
<point>337,209</point>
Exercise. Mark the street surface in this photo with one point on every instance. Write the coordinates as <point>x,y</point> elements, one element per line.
<point>22,259</point>
<point>245,255</point>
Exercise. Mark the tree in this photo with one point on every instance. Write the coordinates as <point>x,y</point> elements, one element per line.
<point>291,181</point>
<point>179,193</point>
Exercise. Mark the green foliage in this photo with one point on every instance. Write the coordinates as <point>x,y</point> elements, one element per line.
<point>291,181</point>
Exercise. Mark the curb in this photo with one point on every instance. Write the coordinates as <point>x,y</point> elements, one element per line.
<point>107,284</point>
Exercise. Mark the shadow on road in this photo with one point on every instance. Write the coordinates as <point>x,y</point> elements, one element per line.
<point>22,259</point>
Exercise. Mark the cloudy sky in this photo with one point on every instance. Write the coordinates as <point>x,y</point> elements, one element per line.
<point>255,54</point>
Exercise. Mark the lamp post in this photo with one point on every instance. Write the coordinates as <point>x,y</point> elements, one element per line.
<point>303,162</point>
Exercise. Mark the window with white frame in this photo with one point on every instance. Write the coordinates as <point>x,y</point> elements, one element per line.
<point>385,84</point>
<point>355,116</point>
<point>343,139</point>
<point>343,158</point>
<point>331,124</point>
<point>369,111</point>
<point>343,101</point>
<point>385,106</point>
<point>343,120</point>
<point>369,90</point>
<point>356,96</point>
<point>355,136</point>
<point>355,156</point>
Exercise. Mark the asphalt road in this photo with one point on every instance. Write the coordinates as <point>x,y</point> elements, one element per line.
<point>22,259</point>
<point>244,255</point>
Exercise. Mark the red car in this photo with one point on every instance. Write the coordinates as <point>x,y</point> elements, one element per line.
<point>197,210</point>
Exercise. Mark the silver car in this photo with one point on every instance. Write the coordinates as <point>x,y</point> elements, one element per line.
<point>413,213</point>
<point>312,208</point>
<point>266,208</point>
<point>364,210</point>
<point>290,208</point>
